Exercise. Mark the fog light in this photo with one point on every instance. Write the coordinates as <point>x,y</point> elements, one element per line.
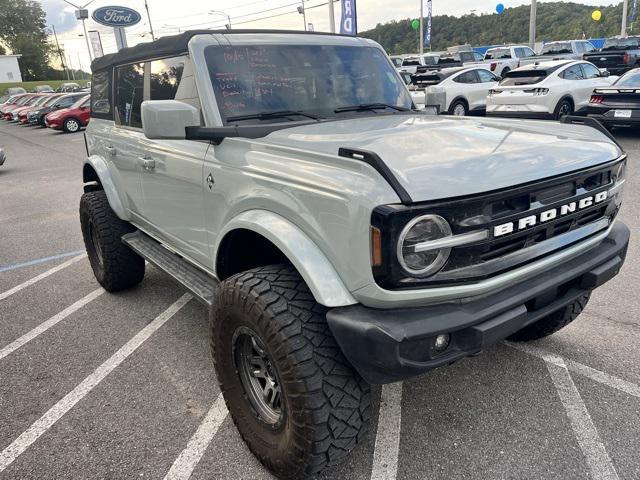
<point>441,343</point>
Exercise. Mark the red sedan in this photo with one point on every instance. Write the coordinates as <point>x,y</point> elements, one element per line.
<point>70,119</point>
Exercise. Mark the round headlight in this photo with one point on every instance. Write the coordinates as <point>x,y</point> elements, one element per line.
<point>419,230</point>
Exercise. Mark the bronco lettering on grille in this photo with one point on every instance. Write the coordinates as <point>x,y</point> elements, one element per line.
<point>548,215</point>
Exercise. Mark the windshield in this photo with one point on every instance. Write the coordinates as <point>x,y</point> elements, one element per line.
<point>556,48</point>
<point>314,79</point>
<point>497,53</point>
<point>430,60</point>
<point>50,100</point>
<point>629,79</point>
<point>621,43</point>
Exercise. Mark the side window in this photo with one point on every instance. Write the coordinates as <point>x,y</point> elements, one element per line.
<point>101,93</point>
<point>588,47</point>
<point>590,71</point>
<point>519,52</point>
<point>129,94</point>
<point>573,73</point>
<point>579,47</point>
<point>528,52</point>
<point>477,57</point>
<point>66,102</point>
<point>466,77</point>
<point>165,78</point>
<point>486,76</point>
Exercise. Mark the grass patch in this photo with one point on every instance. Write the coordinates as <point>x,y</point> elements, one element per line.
<point>28,86</point>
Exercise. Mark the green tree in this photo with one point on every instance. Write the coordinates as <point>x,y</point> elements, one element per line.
<point>22,30</point>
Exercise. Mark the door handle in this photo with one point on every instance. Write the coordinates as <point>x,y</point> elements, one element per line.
<point>148,163</point>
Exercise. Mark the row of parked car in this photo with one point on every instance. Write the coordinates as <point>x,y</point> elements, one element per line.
<point>68,112</point>
<point>546,86</point>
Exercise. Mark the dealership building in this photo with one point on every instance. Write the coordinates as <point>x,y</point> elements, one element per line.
<point>9,69</point>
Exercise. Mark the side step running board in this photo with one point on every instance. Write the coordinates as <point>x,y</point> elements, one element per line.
<point>197,282</point>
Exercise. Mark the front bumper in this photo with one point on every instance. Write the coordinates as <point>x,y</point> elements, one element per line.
<point>389,345</point>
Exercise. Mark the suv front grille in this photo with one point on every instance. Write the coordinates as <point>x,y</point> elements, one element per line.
<point>500,253</point>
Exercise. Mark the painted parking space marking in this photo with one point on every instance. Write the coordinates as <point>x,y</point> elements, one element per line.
<point>43,327</point>
<point>33,280</point>
<point>584,370</point>
<point>387,447</point>
<point>186,462</point>
<point>40,426</point>
<point>584,430</point>
<point>16,266</point>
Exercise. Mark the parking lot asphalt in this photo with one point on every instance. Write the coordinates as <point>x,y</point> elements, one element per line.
<point>103,386</point>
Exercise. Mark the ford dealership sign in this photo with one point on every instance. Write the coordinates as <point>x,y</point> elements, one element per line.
<point>116,16</point>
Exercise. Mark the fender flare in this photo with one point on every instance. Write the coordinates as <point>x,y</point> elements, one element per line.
<point>314,267</point>
<point>101,168</point>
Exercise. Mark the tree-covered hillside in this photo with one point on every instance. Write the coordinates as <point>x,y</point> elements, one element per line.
<point>556,21</point>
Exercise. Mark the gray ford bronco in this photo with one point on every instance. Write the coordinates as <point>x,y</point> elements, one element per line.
<point>338,237</point>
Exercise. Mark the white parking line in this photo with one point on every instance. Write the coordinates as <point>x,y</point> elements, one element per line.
<point>43,327</point>
<point>584,370</point>
<point>63,265</point>
<point>385,455</point>
<point>585,431</point>
<point>186,462</point>
<point>40,426</point>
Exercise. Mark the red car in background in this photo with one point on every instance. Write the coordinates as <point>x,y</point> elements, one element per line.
<point>17,102</point>
<point>24,115</point>
<point>70,119</point>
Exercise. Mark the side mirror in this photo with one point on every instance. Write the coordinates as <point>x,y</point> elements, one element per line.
<point>498,78</point>
<point>604,73</point>
<point>167,119</point>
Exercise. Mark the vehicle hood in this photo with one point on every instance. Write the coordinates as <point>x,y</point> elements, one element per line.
<point>435,157</point>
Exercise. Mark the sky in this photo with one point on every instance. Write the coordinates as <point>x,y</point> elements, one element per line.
<point>168,19</point>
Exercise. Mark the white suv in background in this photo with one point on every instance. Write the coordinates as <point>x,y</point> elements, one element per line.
<point>547,90</point>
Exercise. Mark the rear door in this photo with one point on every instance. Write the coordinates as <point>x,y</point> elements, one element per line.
<point>172,170</point>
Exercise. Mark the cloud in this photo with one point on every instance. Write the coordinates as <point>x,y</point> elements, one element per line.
<point>59,14</point>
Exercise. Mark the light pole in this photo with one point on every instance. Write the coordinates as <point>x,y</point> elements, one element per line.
<point>532,25</point>
<point>625,7</point>
<point>332,18</point>
<point>82,14</point>
<point>219,12</point>
<point>302,12</point>
<point>421,27</point>
<point>146,6</point>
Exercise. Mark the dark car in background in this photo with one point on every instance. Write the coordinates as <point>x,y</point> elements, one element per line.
<point>618,55</point>
<point>62,101</point>
<point>619,104</point>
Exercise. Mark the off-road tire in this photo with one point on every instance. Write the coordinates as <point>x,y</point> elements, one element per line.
<point>71,125</point>
<point>115,265</point>
<point>326,405</point>
<point>552,322</point>
<point>560,112</point>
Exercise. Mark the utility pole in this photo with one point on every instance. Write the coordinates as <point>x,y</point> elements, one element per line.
<point>73,74</point>
<point>421,27</point>
<point>625,7</point>
<point>146,6</point>
<point>532,25</point>
<point>302,11</point>
<point>55,35</point>
<point>332,18</point>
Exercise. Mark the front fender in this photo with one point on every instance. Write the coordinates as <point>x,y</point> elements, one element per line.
<point>314,267</point>
<point>101,168</point>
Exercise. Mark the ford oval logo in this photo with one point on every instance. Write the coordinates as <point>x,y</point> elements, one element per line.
<point>116,16</point>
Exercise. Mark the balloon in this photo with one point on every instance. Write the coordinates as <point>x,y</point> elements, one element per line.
<point>596,15</point>
<point>415,24</point>
<point>500,8</point>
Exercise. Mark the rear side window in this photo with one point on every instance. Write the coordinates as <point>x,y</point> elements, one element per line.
<point>129,94</point>
<point>466,77</point>
<point>165,78</point>
<point>101,95</point>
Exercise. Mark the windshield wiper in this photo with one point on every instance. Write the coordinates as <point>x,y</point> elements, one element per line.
<point>370,106</point>
<point>270,115</point>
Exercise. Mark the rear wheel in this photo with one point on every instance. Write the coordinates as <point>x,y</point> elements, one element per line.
<point>505,71</point>
<point>459,108</point>
<point>552,322</point>
<point>564,107</point>
<point>115,266</point>
<point>293,396</point>
<point>71,125</point>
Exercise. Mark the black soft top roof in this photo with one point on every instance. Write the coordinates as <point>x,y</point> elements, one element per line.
<point>172,45</point>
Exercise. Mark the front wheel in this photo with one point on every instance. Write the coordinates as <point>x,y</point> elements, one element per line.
<point>553,322</point>
<point>71,125</point>
<point>293,396</point>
